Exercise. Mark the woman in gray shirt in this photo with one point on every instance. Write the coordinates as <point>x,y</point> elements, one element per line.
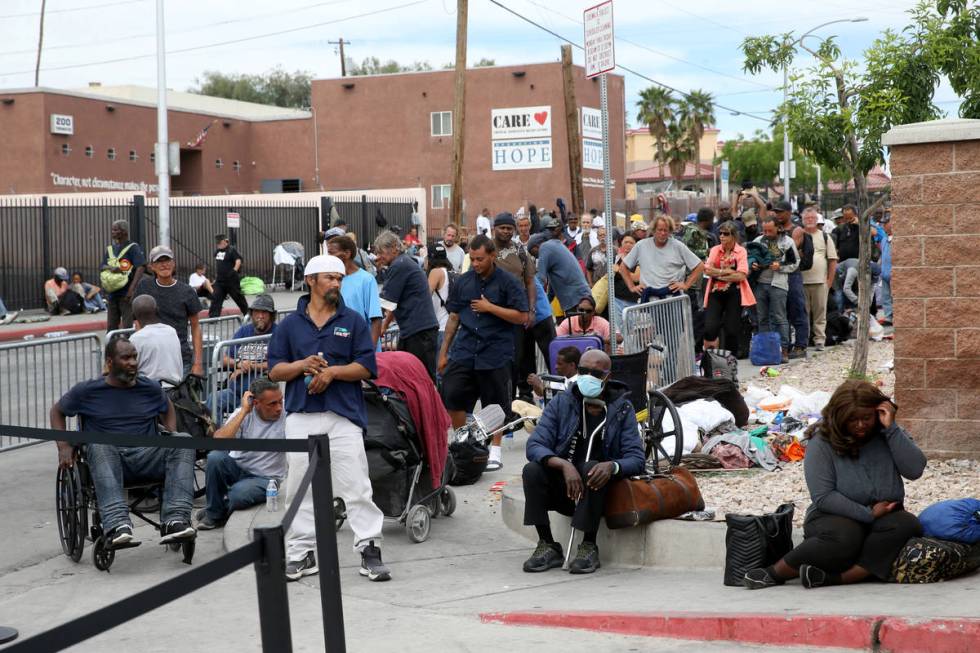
<point>855,460</point>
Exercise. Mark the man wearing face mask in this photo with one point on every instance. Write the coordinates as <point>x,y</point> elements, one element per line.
<point>566,474</point>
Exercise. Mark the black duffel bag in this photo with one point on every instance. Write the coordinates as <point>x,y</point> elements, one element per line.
<point>469,460</point>
<point>754,541</point>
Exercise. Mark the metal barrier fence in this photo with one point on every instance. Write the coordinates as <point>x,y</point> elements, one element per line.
<point>213,331</point>
<point>667,324</point>
<point>389,339</point>
<point>225,386</point>
<point>36,373</point>
<point>360,217</point>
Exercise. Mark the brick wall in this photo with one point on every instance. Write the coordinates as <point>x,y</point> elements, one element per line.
<point>936,283</point>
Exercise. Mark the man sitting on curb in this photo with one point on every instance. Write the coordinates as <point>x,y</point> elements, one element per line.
<point>563,475</point>
<point>238,479</point>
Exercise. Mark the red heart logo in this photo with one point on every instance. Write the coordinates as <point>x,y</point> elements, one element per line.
<point>541,117</point>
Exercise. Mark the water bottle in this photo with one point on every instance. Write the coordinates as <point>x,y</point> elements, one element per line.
<point>272,496</point>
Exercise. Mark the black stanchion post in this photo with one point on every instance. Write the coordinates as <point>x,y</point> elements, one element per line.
<point>326,547</point>
<point>7,634</point>
<point>270,581</point>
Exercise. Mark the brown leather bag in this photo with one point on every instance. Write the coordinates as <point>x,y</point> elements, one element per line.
<point>640,500</point>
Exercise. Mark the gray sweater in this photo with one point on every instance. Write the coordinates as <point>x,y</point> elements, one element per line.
<point>845,486</point>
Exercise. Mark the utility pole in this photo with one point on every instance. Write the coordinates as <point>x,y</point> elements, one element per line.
<point>163,146</point>
<point>343,60</point>
<point>787,153</point>
<point>572,129</point>
<point>459,118</point>
<point>40,43</point>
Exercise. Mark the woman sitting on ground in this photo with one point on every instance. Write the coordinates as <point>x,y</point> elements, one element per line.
<point>727,290</point>
<point>856,526</point>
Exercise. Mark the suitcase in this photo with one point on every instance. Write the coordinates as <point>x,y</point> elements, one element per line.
<point>582,342</point>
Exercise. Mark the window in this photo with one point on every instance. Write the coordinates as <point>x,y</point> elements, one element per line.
<point>218,163</point>
<point>133,155</point>
<point>65,149</point>
<point>111,154</point>
<point>237,165</point>
<point>440,196</point>
<point>153,157</point>
<point>442,123</point>
<point>89,151</point>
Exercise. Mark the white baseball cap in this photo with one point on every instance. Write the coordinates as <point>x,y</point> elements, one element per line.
<point>324,263</point>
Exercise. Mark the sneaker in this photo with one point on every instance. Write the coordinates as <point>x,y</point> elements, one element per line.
<point>122,537</point>
<point>296,569</point>
<point>785,357</point>
<point>586,559</point>
<point>371,565</point>
<point>546,556</point>
<point>205,523</point>
<point>819,347</point>
<point>813,577</point>
<point>9,317</point>
<point>757,579</point>
<point>797,352</point>
<point>494,466</point>
<point>176,530</point>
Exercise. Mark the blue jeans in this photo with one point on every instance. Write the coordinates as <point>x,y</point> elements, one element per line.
<point>649,294</point>
<point>770,303</point>
<point>796,310</point>
<point>886,297</point>
<point>95,304</point>
<point>113,466</point>
<point>229,487</point>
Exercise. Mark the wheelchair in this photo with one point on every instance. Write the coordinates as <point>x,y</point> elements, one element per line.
<point>79,518</point>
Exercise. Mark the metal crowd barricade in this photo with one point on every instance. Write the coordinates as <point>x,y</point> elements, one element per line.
<point>389,339</point>
<point>221,401</point>
<point>34,374</point>
<point>668,325</point>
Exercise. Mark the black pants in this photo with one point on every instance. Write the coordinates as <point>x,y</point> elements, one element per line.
<point>544,490</point>
<point>204,292</point>
<point>541,334</point>
<point>724,313</point>
<point>230,288</point>
<point>119,312</point>
<point>835,544</point>
<point>422,345</point>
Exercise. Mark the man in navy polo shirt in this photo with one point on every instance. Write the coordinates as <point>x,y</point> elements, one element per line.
<point>478,348</point>
<point>406,296</point>
<point>323,351</point>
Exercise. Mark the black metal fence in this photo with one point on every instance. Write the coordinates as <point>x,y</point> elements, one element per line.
<point>42,233</point>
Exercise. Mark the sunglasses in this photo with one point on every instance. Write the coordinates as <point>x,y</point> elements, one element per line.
<point>724,233</point>
<point>588,371</point>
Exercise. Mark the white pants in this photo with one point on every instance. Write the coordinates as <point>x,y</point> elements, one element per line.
<point>349,471</point>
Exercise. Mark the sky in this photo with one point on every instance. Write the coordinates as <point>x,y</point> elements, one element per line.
<point>686,46</point>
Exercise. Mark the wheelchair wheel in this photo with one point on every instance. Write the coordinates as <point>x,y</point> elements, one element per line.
<point>72,512</point>
<point>447,501</point>
<point>656,438</point>
<point>417,523</point>
<point>339,512</point>
<point>102,556</point>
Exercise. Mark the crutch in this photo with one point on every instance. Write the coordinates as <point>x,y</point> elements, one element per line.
<point>588,454</point>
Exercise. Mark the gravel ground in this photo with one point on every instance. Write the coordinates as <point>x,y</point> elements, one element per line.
<point>757,491</point>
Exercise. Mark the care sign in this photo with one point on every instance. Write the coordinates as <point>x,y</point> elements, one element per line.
<point>62,124</point>
<point>523,122</point>
<point>520,138</point>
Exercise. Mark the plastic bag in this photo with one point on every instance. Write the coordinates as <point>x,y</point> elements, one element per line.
<point>875,331</point>
<point>754,394</point>
<point>707,415</point>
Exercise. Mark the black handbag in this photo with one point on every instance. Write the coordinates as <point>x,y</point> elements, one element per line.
<point>754,541</point>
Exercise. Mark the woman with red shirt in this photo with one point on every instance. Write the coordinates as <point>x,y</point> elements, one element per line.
<point>727,290</point>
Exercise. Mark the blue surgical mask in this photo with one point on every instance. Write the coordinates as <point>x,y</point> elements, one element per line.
<point>589,386</point>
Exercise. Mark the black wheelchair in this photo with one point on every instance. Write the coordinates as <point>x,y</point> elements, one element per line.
<point>79,518</point>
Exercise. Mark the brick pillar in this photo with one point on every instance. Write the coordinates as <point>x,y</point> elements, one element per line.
<point>936,283</point>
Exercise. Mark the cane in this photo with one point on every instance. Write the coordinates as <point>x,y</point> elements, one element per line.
<point>588,454</point>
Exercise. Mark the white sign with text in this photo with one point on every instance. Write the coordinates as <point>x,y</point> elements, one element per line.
<point>592,154</point>
<point>98,183</point>
<point>521,122</point>
<point>62,124</point>
<point>591,123</point>
<point>600,50</point>
<point>521,154</point>
<point>233,220</point>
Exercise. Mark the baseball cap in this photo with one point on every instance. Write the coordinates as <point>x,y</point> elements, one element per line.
<point>438,253</point>
<point>820,219</point>
<point>333,232</point>
<point>324,263</point>
<point>159,252</point>
<point>691,217</point>
<point>61,273</point>
<point>748,218</point>
<point>598,222</point>
<point>639,224</point>
<point>549,223</point>
<point>504,218</point>
<point>263,303</point>
<point>782,205</point>
<point>536,240</point>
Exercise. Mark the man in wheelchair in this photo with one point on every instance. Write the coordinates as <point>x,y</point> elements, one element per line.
<point>123,402</point>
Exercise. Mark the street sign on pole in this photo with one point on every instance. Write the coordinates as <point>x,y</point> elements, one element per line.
<point>233,219</point>
<point>600,58</point>
<point>724,180</point>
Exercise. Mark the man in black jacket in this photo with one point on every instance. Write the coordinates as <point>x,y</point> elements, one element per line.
<point>227,265</point>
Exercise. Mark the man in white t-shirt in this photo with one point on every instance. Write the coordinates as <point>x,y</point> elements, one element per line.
<point>664,264</point>
<point>156,343</point>
<point>199,282</point>
<point>455,253</point>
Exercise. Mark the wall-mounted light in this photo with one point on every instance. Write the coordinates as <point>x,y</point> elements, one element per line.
<point>348,85</point>
<point>424,94</point>
<point>226,123</point>
<point>110,108</point>
<point>518,73</point>
<point>8,101</point>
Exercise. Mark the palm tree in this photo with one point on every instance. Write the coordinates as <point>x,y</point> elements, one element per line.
<point>697,111</point>
<point>656,111</point>
<point>679,149</point>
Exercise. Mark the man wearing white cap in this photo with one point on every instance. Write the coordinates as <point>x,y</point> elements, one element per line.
<point>323,351</point>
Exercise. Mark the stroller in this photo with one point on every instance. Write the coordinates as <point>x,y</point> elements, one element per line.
<point>400,477</point>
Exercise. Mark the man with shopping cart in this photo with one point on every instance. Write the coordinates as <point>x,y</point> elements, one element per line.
<point>586,437</point>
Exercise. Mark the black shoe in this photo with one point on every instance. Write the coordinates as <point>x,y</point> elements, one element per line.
<point>122,537</point>
<point>757,579</point>
<point>546,556</point>
<point>205,523</point>
<point>371,565</point>
<point>177,530</point>
<point>797,352</point>
<point>586,559</point>
<point>814,577</point>
<point>296,569</point>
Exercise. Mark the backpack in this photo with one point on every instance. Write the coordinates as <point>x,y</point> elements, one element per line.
<point>72,302</point>
<point>808,250</point>
<point>113,281</point>
<point>696,240</point>
<point>193,417</point>
<point>451,276</point>
<point>719,364</point>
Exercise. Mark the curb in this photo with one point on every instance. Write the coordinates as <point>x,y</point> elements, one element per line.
<point>73,327</point>
<point>878,633</point>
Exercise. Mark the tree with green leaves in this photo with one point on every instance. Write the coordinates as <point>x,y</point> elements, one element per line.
<point>276,87</point>
<point>837,112</point>
<point>676,125</point>
<point>374,66</point>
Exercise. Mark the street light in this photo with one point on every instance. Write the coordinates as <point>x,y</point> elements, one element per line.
<point>787,155</point>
